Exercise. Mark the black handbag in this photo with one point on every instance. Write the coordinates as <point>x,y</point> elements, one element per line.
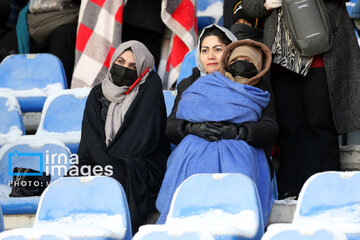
<point>26,186</point>
<point>309,26</point>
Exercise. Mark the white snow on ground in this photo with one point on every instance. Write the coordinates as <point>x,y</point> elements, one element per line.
<point>218,222</point>
<point>35,92</point>
<point>87,225</point>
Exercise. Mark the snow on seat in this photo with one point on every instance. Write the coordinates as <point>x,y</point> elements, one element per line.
<point>11,121</point>
<point>226,205</point>
<point>331,198</point>
<point>62,117</point>
<point>167,232</point>
<point>43,155</point>
<point>208,12</point>
<point>30,234</point>
<point>31,78</point>
<point>85,208</point>
<point>302,232</point>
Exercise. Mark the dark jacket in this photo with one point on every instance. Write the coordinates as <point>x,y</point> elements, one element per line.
<point>139,150</point>
<point>342,63</point>
<point>261,134</point>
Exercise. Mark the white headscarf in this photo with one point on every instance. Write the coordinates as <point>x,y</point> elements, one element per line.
<point>120,102</point>
<point>231,37</point>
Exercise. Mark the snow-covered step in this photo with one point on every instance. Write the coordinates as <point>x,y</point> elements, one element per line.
<point>350,157</point>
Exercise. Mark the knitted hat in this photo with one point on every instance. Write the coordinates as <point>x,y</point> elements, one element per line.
<point>253,53</point>
<point>238,13</point>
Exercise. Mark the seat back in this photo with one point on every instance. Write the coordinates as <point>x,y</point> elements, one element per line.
<point>31,233</point>
<point>168,232</point>
<point>334,193</point>
<point>11,121</point>
<point>31,78</point>
<point>44,155</point>
<point>219,196</point>
<point>75,198</point>
<point>209,12</point>
<point>187,65</point>
<point>169,97</point>
<point>302,232</point>
<point>63,112</point>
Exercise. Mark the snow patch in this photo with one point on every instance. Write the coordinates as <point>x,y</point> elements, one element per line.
<point>347,218</point>
<point>173,231</point>
<point>12,104</point>
<point>35,92</point>
<point>305,230</point>
<point>32,233</point>
<point>214,10</point>
<point>87,225</point>
<point>66,137</point>
<point>12,135</point>
<point>218,222</point>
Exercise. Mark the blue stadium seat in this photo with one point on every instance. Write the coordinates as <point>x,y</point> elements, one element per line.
<point>226,205</point>
<point>31,234</point>
<point>169,97</point>
<point>187,65</point>
<point>2,226</point>
<point>84,208</point>
<point>208,12</point>
<point>167,232</point>
<point>11,121</point>
<point>331,198</point>
<point>350,6</point>
<point>39,154</point>
<point>302,232</point>
<point>62,117</point>
<point>31,78</point>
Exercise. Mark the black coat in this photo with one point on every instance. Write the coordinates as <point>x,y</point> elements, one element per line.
<point>139,150</point>
<point>261,134</point>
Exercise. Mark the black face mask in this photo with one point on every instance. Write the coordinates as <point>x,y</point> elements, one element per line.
<point>122,76</point>
<point>242,68</point>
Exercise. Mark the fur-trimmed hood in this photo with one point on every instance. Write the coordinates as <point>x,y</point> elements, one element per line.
<point>266,58</point>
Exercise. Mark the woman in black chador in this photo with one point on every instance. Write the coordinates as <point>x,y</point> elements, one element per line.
<point>123,128</point>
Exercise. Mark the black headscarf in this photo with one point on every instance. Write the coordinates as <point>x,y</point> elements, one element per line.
<point>139,149</point>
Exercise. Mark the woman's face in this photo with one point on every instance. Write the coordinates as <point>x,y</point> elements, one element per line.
<point>126,59</point>
<point>210,53</point>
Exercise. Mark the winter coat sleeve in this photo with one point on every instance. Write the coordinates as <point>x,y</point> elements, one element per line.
<point>255,8</point>
<point>265,131</point>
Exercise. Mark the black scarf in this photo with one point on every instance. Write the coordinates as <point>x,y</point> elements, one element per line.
<point>139,150</point>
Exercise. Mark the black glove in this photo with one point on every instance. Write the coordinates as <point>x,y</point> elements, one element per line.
<point>231,131</point>
<point>206,130</point>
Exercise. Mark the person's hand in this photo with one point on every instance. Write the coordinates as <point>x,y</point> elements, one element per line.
<point>206,130</point>
<point>271,4</point>
<point>230,130</point>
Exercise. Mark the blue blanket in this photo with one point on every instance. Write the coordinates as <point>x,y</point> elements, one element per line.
<point>216,98</point>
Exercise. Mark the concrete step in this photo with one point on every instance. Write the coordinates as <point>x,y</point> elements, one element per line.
<point>350,157</point>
